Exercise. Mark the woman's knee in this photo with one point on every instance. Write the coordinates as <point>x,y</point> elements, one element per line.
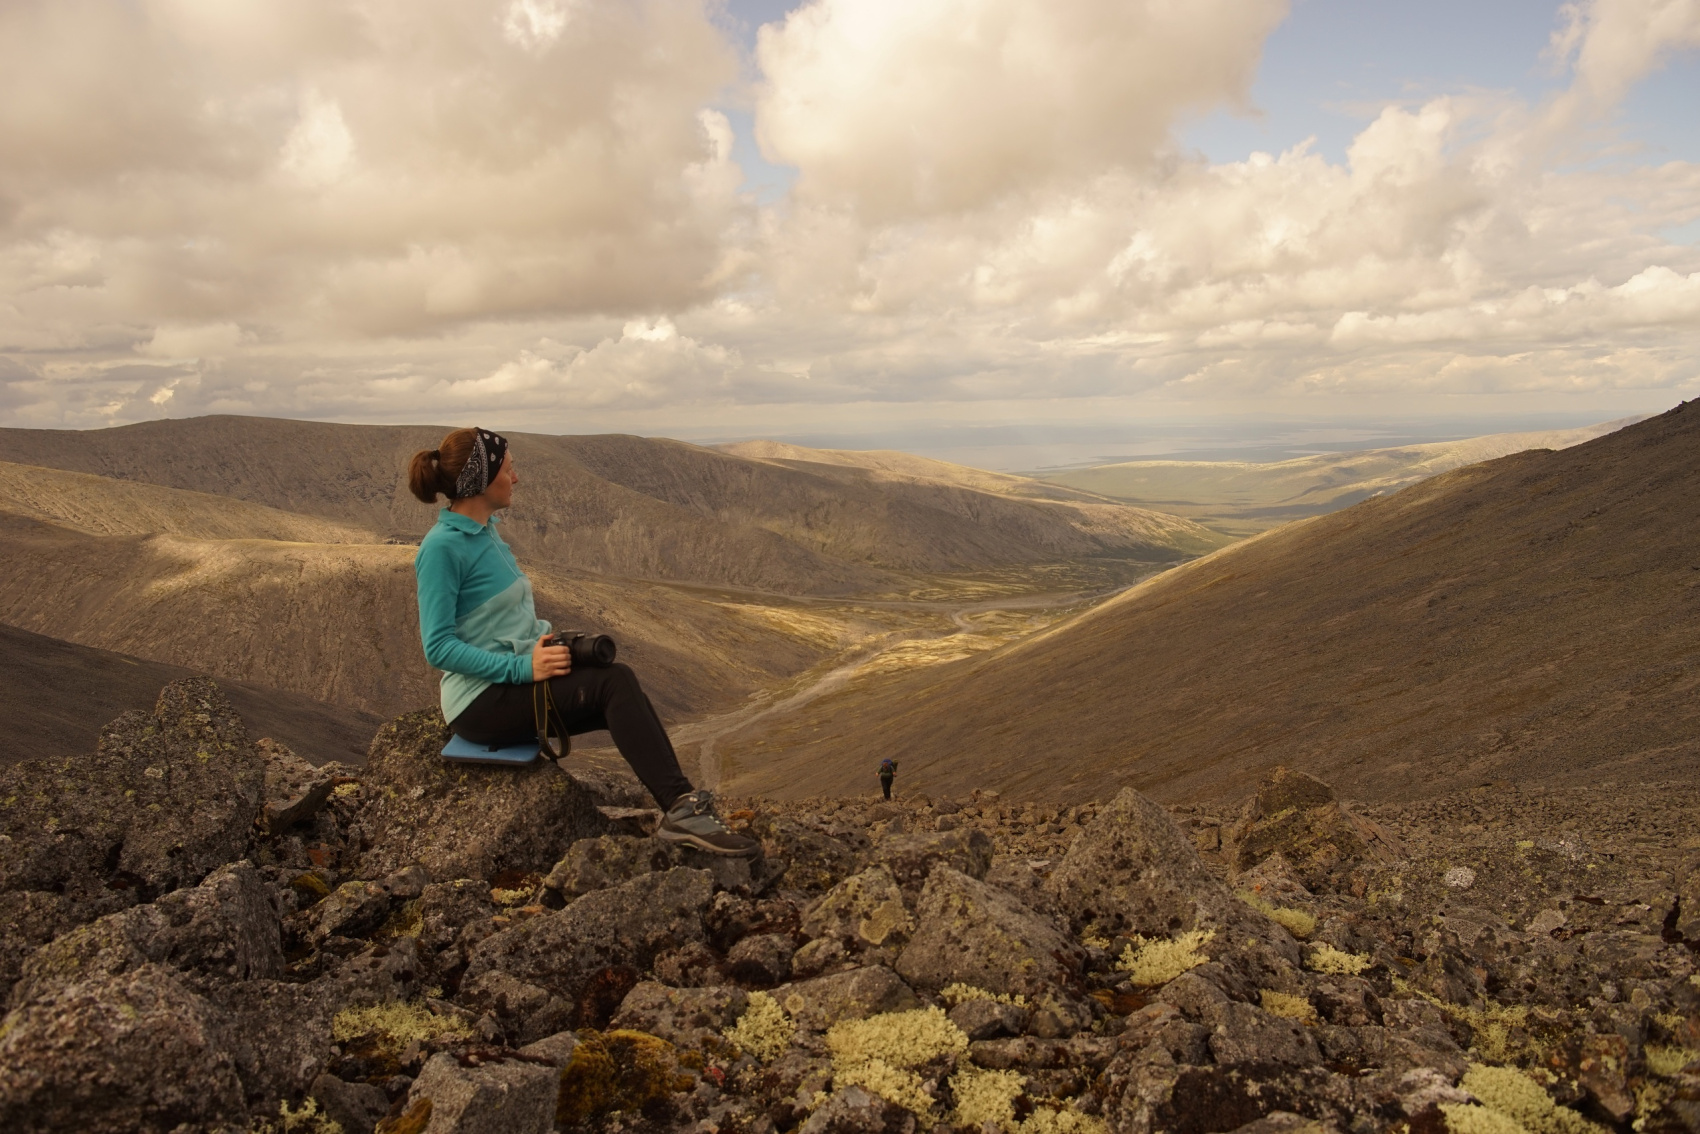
<point>623,676</point>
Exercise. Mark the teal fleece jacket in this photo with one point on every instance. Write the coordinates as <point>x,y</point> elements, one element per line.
<point>477,617</point>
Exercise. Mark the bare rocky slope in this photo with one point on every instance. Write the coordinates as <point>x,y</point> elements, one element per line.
<point>1529,619</point>
<point>202,935</point>
<point>633,507</point>
<point>56,696</point>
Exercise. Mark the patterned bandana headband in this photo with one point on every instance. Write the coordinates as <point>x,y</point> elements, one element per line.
<point>488,452</point>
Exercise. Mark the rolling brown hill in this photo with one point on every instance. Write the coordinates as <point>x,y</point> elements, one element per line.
<point>57,696</point>
<point>99,505</point>
<point>634,507</point>
<point>339,622</point>
<point>1534,618</point>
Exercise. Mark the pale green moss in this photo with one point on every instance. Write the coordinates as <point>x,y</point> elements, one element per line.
<point>1065,1121</point>
<point>346,791</point>
<point>954,994</point>
<point>1462,1119</point>
<point>395,1025</point>
<point>1520,1100</point>
<point>1150,963</point>
<point>1324,958</point>
<point>880,1053</point>
<point>986,1096</point>
<point>1296,922</point>
<point>1669,1061</point>
<point>764,1030</point>
<point>1300,924</point>
<point>1283,1004</point>
<point>307,1120</point>
<point>901,1039</point>
<point>894,1084</point>
<point>405,922</point>
<point>1492,1024</point>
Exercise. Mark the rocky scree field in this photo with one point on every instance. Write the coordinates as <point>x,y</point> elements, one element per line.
<point>202,932</point>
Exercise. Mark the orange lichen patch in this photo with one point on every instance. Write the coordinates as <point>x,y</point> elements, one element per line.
<point>615,1071</point>
<point>1120,1003</point>
<point>413,1120</point>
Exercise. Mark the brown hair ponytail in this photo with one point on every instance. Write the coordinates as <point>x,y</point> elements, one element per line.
<point>435,471</point>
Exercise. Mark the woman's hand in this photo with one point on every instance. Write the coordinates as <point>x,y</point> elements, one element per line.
<point>549,661</point>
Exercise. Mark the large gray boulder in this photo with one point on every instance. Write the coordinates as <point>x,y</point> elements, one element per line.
<point>691,1019</point>
<point>1134,871</point>
<point>976,934</point>
<point>225,928</point>
<point>607,860</point>
<point>854,1110</point>
<point>496,1097</point>
<point>1242,1033</point>
<point>281,1032</point>
<point>625,926</point>
<point>910,858</point>
<point>464,820</point>
<point>295,789</point>
<point>165,799</point>
<point>816,1005</point>
<point>814,861</point>
<point>864,911</point>
<point>118,1054</point>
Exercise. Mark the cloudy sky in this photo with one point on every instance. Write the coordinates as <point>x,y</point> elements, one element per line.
<point>847,217</point>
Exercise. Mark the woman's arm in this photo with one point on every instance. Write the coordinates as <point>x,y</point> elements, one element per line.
<point>438,575</point>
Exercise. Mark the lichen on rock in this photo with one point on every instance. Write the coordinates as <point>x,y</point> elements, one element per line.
<point>969,932</point>
<point>764,1030</point>
<point>1325,958</point>
<point>986,1097</point>
<point>880,1053</point>
<point>1155,962</point>
<point>864,911</point>
<point>392,1026</point>
<point>464,820</point>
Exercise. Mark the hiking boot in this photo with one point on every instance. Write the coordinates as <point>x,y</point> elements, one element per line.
<point>692,821</point>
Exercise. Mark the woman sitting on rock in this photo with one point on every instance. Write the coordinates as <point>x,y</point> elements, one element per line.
<point>480,627</point>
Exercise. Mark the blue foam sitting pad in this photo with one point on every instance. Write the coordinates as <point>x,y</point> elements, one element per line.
<point>463,751</point>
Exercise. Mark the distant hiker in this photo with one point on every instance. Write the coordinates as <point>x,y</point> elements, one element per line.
<point>888,772</point>
<point>480,627</point>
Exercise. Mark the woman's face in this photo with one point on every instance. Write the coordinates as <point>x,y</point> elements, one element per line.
<point>500,494</point>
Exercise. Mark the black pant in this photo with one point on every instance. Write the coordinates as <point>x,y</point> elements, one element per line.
<point>885,784</point>
<point>586,700</point>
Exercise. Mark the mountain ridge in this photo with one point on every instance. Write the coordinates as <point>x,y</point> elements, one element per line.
<point>633,507</point>
<point>1493,622</point>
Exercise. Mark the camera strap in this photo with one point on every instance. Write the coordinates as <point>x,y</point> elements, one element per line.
<point>546,717</point>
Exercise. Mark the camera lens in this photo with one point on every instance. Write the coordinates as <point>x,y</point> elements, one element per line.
<point>594,650</point>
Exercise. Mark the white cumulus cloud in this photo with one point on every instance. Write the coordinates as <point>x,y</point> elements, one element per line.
<point>407,209</point>
<point>899,107</point>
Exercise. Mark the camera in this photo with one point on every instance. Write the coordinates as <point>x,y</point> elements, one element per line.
<point>586,649</point>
